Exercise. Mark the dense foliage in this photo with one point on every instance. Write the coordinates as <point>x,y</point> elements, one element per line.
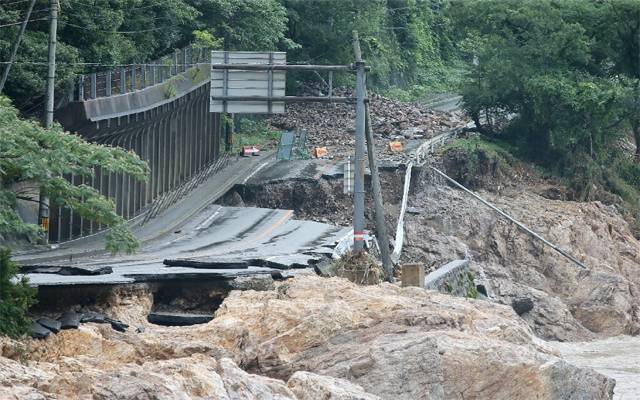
<point>560,80</point>
<point>407,41</point>
<point>32,157</point>
<point>15,298</point>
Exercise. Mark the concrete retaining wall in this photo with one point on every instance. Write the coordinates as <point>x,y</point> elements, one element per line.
<point>454,278</point>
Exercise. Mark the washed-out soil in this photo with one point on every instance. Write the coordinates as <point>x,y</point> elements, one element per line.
<point>322,200</point>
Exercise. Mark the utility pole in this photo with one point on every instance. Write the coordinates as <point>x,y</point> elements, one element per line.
<point>358,192</point>
<point>16,44</point>
<point>43,209</point>
<point>381,226</point>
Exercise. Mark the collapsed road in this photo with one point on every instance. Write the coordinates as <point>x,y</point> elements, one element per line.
<point>217,242</point>
<point>245,240</point>
<point>195,239</point>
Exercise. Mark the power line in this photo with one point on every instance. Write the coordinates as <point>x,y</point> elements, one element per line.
<point>89,64</point>
<point>14,2</point>
<point>121,32</point>
<point>19,23</point>
<point>104,17</point>
<point>128,9</point>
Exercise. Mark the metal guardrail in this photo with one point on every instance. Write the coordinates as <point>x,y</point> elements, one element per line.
<point>420,158</point>
<point>169,198</point>
<point>129,78</point>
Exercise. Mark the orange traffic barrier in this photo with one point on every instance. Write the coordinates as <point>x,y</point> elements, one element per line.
<point>395,147</point>
<point>319,152</point>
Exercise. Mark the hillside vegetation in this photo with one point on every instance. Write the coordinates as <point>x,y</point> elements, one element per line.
<point>556,82</point>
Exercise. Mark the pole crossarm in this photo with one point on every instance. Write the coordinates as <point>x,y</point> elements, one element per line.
<point>289,99</point>
<point>287,67</point>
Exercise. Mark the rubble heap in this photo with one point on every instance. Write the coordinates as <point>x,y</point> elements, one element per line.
<point>333,125</point>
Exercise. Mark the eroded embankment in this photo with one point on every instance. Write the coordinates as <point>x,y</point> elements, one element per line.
<point>445,224</point>
<point>322,199</point>
<point>570,303</point>
<point>354,342</point>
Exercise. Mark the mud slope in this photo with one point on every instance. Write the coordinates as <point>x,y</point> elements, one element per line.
<point>569,303</point>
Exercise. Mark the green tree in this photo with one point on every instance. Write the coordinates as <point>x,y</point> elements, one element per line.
<point>42,158</point>
<point>534,72</point>
<point>243,25</point>
<point>15,298</point>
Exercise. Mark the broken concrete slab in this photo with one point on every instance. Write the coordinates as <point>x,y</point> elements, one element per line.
<point>65,270</point>
<point>94,317</point>
<point>178,319</point>
<point>454,278</point>
<point>414,210</point>
<point>207,263</point>
<point>117,325</point>
<point>38,331</point>
<point>51,324</point>
<point>70,320</point>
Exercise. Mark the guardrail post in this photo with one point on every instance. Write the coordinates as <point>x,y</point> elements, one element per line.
<point>134,81</point>
<point>123,80</point>
<point>81,88</point>
<point>189,50</point>
<point>143,76</point>
<point>154,70</point>
<point>94,84</point>
<point>184,60</point>
<point>108,84</point>
<point>175,63</point>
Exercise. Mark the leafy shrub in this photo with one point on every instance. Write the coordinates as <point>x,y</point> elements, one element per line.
<point>15,298</point>
<point>255,133</point>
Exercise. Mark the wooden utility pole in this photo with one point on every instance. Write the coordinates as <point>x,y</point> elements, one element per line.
<point>43,209</point>
<point>16,44</point>
<point>381,226</point>
<point>358,190</point>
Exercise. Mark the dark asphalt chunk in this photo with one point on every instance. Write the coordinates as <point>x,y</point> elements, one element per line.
<point>117,325</point>
<point>178,319</point>
<point>65,270</point>
<point>94,317</point>
<point>207,263</point>
<point>51,324</point>
<point>70,320</point>
<point>38,331</point>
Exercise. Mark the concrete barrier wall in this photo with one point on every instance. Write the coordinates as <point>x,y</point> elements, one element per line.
<point>454,278</point>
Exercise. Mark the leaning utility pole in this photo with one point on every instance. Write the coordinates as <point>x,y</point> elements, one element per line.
<point>16,44</point>
<point>43,209</point>
<point>358,189</point>
<point>381,226</point>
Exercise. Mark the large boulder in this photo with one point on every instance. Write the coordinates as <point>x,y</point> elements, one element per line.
<point>310,337</point>
<point>401,343</point>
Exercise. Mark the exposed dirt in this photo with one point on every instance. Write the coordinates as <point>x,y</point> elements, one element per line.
<point>569,303</point>
<point>445,224</point>
<point>322,200</point>
<point>307,338</point>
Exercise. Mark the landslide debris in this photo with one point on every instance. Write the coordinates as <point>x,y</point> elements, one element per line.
<point>333,125</point>
<point>569,303</point>
<point>308,337</point>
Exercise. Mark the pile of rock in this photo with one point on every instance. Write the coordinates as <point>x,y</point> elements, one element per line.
<point>44,326</point>
<point>333,125</point>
